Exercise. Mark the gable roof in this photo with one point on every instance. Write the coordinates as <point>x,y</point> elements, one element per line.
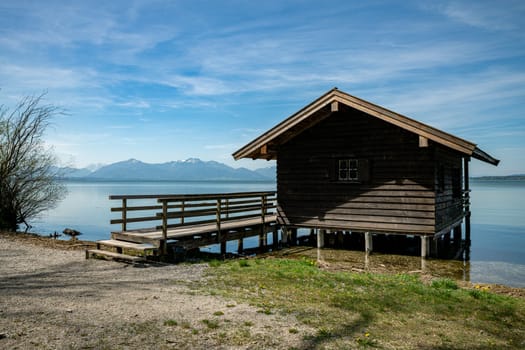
<point>265,146</point>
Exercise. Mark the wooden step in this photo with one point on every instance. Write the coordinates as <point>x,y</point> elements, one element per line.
<point>112,255</point>
<point>126,245</point>
<point>119,236</point>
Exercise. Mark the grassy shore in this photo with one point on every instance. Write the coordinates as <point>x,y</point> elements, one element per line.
<point>268,302</point>
<point>386,311</point>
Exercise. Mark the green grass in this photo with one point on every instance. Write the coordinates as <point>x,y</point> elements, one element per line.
<point>211,324</point>
<point>348,310</point>
<point>170,323</point>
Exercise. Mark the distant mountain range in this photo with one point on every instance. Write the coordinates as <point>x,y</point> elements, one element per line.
<point>192,169</point>
<point>520,177</point>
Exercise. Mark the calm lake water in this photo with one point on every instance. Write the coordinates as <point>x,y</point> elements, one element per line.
<point>498,219</point>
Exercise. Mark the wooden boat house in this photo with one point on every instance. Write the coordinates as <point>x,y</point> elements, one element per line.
<point>345,164</point>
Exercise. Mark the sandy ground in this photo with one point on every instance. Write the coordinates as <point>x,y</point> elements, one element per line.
<point>52,298</point>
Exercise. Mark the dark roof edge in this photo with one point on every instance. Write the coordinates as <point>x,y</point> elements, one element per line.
<point>484,156</point>
<point>241,152</point>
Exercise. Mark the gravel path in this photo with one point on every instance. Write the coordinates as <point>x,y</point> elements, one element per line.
<point>52,298</point>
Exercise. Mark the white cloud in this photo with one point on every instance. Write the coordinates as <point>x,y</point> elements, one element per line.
<point>166,62</point>
<point>491,15</point>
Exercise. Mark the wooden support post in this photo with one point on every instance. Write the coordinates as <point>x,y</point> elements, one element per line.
<point>124,214</point>
<point>425,246</point>
<point>320,238</point>
<point>164,243</point>
<point>368,243</point>
<point>284,234</point>
<point>293,236</point>
<point>220,237</point>
<point>340,239</point>
<point>240,246</point>
<point>262,235</point>
<point>466,199</point>
<point>182,212</point>
<point>262,238</point>
<point>434,251</point>
<point>446,239</point>
<point>275,237</point>
<point>457,233</point>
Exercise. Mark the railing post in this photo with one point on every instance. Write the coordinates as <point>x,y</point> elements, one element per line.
<point>218,224</point>
<point>262,237</point>
<point>124,214</point>
<point>182,212</point>
<point>218,215</point>
<point>164,227</point>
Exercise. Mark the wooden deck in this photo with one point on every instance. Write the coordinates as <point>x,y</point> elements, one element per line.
<point>183,222</point>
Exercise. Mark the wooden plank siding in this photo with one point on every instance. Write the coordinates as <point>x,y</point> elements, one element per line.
<point>398,195</point>
<point>449,202</point>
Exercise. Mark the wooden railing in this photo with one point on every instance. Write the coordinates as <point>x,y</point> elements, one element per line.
<point>169,211</point>
<point>466,201</point>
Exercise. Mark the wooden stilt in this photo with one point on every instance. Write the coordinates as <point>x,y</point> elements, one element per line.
<point>320,238</point>
<point>262,238</point>
<point>284,234</point>
<point>293,236</point>
<point>240,246</point>
<point>446,238</point>
<point>340,239</point>
<point>223,247</point>
<point>434,249</point>
<point>425,246</point>
<point>368,243</point>
<point>275,240</point>
<point>457,233</point>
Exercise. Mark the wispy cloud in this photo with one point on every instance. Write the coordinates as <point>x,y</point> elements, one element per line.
<point>198,77</point>
<point>484,14</point>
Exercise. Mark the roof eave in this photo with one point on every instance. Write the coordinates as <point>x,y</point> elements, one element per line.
<point>250,149</point>
<point>259,147</point>
<point>484,156</point>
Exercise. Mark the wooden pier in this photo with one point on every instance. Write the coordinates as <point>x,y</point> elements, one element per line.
<point>160,227</point>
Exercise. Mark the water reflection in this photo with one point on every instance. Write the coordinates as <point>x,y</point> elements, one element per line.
<point>360,261</point>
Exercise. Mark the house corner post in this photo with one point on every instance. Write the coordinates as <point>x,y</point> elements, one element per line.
<point>466,199</point>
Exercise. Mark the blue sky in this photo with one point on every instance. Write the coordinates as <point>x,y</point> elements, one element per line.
<point>168,80</point>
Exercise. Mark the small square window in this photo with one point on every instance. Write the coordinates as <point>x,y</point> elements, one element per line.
<point>348,170</point>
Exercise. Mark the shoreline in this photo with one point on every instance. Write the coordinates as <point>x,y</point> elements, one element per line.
<point>51,297</point>
<point>81,245</point>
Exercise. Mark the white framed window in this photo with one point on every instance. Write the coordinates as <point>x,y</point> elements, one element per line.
<point>348,170</point>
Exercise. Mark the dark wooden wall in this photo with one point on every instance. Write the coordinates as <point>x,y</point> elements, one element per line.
<point>399,195</point>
